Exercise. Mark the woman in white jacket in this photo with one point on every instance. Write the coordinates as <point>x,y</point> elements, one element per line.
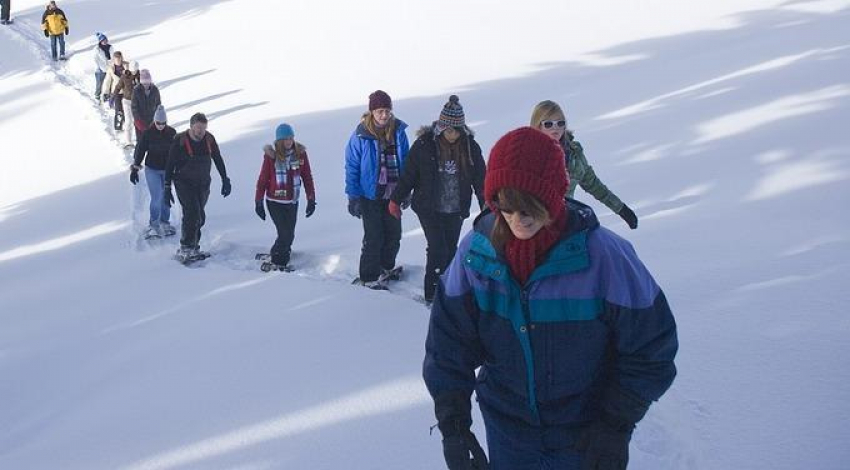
<point>102,57</point>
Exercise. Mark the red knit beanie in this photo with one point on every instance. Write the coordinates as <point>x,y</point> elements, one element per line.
<point>530,161</point>
<point>380,99</point>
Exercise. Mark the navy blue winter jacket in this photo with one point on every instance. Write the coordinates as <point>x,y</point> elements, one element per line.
<point>590,323</point>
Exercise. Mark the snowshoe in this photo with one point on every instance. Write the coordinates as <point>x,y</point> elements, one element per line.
<point>268,266</point>
<point>263,257</point>
<point>168,230</point>
<point>153,233</point>
<point>191,255</point>
<point>393,274</point>
<point>374,285</point>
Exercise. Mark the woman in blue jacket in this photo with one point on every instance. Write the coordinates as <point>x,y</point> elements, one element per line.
<point>573,337</point>
<point>374,159</point>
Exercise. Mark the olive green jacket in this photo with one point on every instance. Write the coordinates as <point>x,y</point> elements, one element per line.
<point>581,173</point>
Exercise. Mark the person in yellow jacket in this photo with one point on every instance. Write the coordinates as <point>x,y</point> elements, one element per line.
<point>54,23</point>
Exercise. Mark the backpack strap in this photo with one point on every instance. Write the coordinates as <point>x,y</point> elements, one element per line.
<point>189,146</point>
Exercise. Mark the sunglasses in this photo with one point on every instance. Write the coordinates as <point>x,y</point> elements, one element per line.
<point>548,124</point>
<point>161,124</point>
<point>507,210</point>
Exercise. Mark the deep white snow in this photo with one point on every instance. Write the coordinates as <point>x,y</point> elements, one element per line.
<point>722,123</point>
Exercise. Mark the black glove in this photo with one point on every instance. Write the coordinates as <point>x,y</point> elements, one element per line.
<point>405,203</point>
<point>225,186</point>
<point>354,207</point>
<point>46,34</point>
<point>66,31</point>
<point>167,196</point>
<point>605,446</point>
<point>134,174</point>
<point>605,443</point>
<point>629,216</point>
<point>311,207</point>
<point>259,209</point>
<point>457,449</point>
<point>461,449</point>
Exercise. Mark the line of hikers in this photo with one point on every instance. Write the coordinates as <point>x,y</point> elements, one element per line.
<point>437,175</point>
<point>571,336</point>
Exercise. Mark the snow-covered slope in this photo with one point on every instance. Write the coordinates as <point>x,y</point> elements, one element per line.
<point>722,125</point>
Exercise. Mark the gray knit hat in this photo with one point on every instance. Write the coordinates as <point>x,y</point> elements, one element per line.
<point>159,115</point>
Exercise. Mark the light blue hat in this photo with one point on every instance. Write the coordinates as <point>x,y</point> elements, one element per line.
<point>284,131</point>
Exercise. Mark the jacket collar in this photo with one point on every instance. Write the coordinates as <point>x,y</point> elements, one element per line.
<point>568,255</point>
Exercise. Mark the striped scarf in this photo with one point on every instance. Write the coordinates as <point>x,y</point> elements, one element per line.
<point>286,175</point>
<point>389,168</point>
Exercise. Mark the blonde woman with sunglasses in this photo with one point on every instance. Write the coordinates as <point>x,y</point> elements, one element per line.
<point>551,120</point>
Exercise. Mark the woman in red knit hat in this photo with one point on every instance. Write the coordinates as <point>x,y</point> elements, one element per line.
<point>573,337</point>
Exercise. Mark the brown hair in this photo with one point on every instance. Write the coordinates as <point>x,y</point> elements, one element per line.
<point>548,109</point>
<point>387,134</point>
<point>519,201</point>
<point>280,150</point>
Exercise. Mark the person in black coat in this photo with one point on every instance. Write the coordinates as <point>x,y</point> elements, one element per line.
<point>146,100</point>
<point>153,147</point>
<point>445,167</point>
<point>190,161</point>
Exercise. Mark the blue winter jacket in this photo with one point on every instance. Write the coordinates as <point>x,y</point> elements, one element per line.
<point>590,323</point>
<point>362,163</point>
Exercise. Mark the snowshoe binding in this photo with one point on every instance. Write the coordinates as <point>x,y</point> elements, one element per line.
<point>268,266</point>
<point>187,256</point>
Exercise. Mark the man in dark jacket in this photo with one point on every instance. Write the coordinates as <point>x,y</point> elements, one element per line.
<point>153,148</point>
<point>189,165</point>
<point>444,168</point>
<point>146,100</point>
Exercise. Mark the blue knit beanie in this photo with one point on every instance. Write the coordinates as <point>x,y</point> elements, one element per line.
<point>284,131</point>
<point>100,37</point>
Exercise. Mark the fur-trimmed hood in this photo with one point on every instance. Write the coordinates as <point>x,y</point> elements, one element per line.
<point>432,129</point>
<point>268,150</point>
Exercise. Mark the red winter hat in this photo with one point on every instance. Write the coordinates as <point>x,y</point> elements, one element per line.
<point>530,161</point>
<point>380,99</point>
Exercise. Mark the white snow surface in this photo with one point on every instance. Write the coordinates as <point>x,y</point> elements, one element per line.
<point>722,123</point>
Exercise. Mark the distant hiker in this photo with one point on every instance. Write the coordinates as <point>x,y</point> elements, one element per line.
<point>285,167</point>
<point>570,336</point>
<point>124,91</point>
<point>110,84</point>
<point>152,150</point>
<point>190,161</point>
<point>374,158</point>
<point>5,11</point>
<point>54,23</point>
<point>102,58</point>
<point>146,101</point>
<point>444,169</point>
<point>551,120</point>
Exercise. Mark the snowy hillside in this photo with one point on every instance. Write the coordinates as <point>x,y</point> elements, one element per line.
<point>723,124</point>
